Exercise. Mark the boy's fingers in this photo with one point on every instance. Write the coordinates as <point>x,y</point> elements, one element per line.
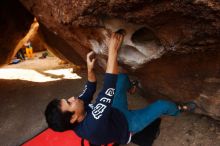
<point>116,40</point>
<point>87,58</point>
<point>119,40</point>
<point>89,54</point>
<point>113,34</point>
<point>93,61</point>
<point>117,36</point>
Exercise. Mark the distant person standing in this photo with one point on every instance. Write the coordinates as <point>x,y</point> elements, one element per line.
<point>29,49</point>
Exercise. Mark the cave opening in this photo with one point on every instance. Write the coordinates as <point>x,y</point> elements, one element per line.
<point>42,66</point>
<point>144,35</point>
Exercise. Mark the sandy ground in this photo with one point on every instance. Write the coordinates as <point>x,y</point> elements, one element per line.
<point>23,102</point>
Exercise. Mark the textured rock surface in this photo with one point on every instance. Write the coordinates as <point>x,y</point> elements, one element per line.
<point>185,77</point>
<point>153,28</point>
<point>171,46</point>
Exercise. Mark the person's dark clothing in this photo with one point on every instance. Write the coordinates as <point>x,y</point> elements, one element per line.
<point>103,124</point>
<point>147,136</point>
<point>20,55</point>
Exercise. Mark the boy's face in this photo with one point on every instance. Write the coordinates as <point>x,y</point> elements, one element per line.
<point>72,105</point>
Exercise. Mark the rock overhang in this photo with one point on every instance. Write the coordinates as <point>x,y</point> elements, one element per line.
<point>163,44</point>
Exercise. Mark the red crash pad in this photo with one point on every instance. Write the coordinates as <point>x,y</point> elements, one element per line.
<point>52,138</point>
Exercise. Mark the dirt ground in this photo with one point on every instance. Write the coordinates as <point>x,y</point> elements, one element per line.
<point>31,86</point>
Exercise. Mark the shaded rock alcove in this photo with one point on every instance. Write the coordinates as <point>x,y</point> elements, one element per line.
<point>15,22</point>
<point>172,47</point>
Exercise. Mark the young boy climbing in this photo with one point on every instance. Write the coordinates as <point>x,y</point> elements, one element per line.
<point>108,120</point>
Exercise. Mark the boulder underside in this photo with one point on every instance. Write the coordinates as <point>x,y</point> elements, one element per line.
<point>172,47</point>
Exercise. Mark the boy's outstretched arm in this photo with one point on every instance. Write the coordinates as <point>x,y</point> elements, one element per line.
<point>102,106</point>
<point>90,87</point>
<point>114,45</point>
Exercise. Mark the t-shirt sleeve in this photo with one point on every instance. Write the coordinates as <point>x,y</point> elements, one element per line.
<point>88,92</point>
<point>105,98</point>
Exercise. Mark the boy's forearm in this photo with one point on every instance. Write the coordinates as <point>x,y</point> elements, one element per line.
<point>91,76</point>
<point>112,64</point>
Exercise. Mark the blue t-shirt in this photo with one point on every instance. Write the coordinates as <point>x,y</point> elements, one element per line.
<point>103,123</point>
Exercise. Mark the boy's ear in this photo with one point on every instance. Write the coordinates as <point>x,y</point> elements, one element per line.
<point>73,119</point>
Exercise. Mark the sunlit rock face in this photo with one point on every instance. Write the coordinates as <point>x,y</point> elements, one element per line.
<point>15,21</point>
<point>171,46</point>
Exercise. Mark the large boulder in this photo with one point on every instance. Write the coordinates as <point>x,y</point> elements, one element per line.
<point>171,46</point>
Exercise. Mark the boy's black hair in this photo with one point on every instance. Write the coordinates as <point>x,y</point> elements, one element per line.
<point>56,119</point>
